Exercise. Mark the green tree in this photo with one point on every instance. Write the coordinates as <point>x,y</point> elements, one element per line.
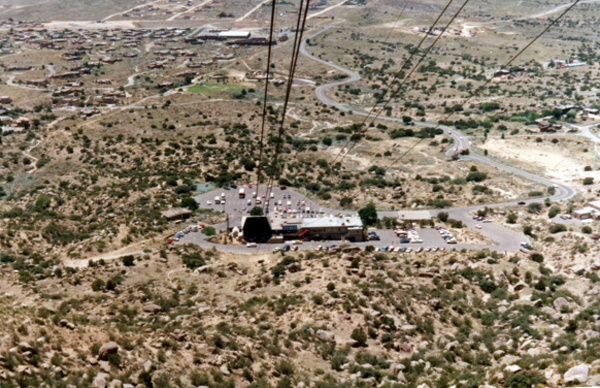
<point>443,216</point>
<point>190,203</point>
<point>256,211</point>
<point>128,261</point>
<point>368,214</point>
<point>327,141</point>
<point>209,231</point>
<point>345,201</point>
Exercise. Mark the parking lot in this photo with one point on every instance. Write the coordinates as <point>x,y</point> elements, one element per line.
<point>238,207</point>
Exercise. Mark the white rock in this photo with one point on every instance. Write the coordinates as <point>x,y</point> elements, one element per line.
<point>579,373</point>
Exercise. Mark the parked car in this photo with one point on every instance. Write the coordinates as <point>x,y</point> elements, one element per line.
<point>233,186</point>
<point>285,248</point>
<point>251,245</point>
<point>521,203</point>
<point>226,188</point>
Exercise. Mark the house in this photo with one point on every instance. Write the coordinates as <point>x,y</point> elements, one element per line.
<point>10,129</point>
<point>176,214</point>
<point>223,57</point>
<point>19,68</point>
<point>23,122</point>
<point>5,100</point>
<point>89,112</point>
<point>546,126</point>
<point>195,65</point>
<point>590,211</point>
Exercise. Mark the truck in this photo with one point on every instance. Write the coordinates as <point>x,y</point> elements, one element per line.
<point>242,193</point>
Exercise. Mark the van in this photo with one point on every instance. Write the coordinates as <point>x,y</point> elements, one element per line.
<point>254,194</point>
<point>217,201</point>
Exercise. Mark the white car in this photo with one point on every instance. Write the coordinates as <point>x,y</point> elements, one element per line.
<point>319,247</point>
<point>251,245</point>
<point>209,203</point>
<point>478,226</point>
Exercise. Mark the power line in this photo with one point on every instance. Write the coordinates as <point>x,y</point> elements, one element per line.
<point>479,89</point>
<point>410,74</point>
<point>264,112</point>
<point>300,26</point>
<point>396,76</point>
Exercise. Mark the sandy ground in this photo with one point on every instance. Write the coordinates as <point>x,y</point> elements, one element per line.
<point>554,160</point>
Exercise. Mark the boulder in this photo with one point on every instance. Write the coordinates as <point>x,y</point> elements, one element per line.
<point>148,366</point>
<point>224,370</point>
<point>23,370</point>
<point>559,302</point>
<point>578,373</point>
<point>596,265</point>
<point>549,310</point>
<point>99,381</point>
<point>108,348</point>
<point>115,384</point>
<point>512,368</point>
<point>401,377</point>
<point>152,308</point>
<point>24,347</point>
<point>326,336</point>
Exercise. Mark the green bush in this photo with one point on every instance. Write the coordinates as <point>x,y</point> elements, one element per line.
<point>359,336</point>
<point>534,207</point>
<point>557,228</point>
<point>128,261</point>
<point>98,285</point>
<point>209,231</point>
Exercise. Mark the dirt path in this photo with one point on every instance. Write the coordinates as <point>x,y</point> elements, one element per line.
<point>188,10</point>
<point>252,11</point>
<point>326,10</point>
<point>27,154</point>
<point>129,10</point>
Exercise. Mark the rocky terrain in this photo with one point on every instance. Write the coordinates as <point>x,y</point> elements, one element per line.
<point>186,317</point>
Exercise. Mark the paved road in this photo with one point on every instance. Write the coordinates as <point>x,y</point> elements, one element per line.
<point>460,141</point>
<point>505,239</point>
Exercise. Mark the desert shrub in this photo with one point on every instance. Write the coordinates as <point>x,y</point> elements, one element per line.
<point>359,336</point>
<point>557,228</point>
<point>98,285</point>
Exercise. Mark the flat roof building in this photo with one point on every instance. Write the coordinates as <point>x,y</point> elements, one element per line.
<point>176,213</point>
<point>235,34</point>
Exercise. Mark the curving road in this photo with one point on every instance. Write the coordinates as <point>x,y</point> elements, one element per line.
<point>563,192</point>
